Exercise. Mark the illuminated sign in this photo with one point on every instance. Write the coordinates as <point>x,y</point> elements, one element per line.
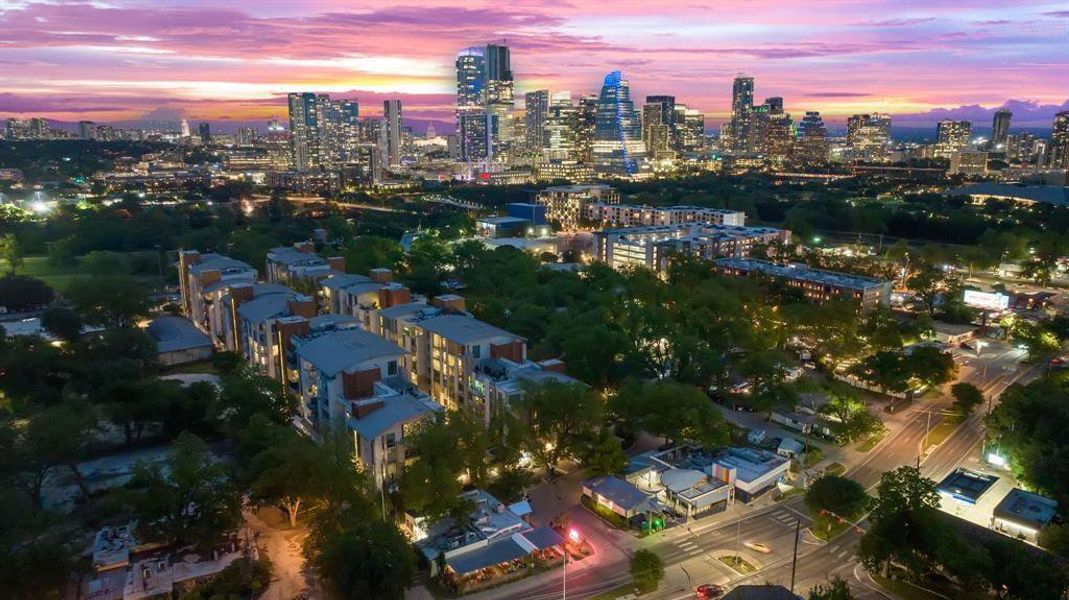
<point>987,300</point>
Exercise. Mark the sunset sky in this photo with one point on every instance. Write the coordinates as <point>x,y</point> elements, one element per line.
<point>112,60</point>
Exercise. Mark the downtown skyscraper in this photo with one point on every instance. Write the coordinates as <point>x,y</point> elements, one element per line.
<point>536,104</point>
<point>869,135</point>
<point>485,99</point>
<point>323,132</point>
<point>391,118</point>
<point>742,135</point>
<point>1000,129</point>
<point>618,147</point>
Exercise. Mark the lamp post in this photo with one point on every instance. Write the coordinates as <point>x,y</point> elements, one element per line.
<point>573,535</point>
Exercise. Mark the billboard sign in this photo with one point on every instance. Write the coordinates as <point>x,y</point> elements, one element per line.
<point>986,300</point>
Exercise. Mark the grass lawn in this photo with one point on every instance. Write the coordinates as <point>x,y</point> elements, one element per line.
<point>826,529</point>
<point>905,590</point>
<point>739,564</point>
<point>835,469</point>
<point>60,279</point>
<point>627,589</point>
<point>870,442</point>
<point>942,431</point>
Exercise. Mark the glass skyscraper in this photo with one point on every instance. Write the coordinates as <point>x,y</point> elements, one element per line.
<point>618,147</point>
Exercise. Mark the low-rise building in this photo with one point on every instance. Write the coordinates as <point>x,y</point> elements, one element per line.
<point>266,324</point>
<point>300,263</point>
<point>177,341</point>
<point>619,496</point>
<point>816,284</point>
<point>363,297</point>
<point>652,246</point>
<point>1023,514</point>
<point>752,472</point>
<point>631,215</point>
<point>566,204</point>
<point>497,384</point>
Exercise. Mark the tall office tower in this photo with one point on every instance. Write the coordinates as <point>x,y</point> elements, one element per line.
<point>618,147</point>
<point>586,120</point>
<point>391,118</point>
<point>869,136</point>
<point>204,131</point>
<point>183,129</point>
<point>339,130</point>
<point>558,140</point>
<point>774,104</point>
<point>537,107</point>
<point>472,141</point>
<point>304,131</point>
<point>246,136</point>
<point>952,137</point>
<point>87,130</point>
<point>667,106</point>
<point>743,135</point>
<point>1059,140</point>
<point>779,138</point>
<point>499,99</point>
<point>689,138</point>
<point>812,144</point>
<point>655,131</point>
<point>275,126</point>
<point>1000,129</point>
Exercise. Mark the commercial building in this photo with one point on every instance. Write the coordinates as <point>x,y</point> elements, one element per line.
<point>966,486</point>
<point>631,215</point>
<point>811,147</point>
<point>740,135</point>
<point>968,163</point>
<point>351,381</point>
<point>816,284</point>
<point>1023,514</point>
<point>1025,195</point>
<point>682,479</point>
<point>536,105</point>
<point>952,137</point>
<point>619,496</point>
<point>299,262</point>
<point>618,148</point>
<point>652,246</point>
<point>566,204</point>
<point>391,117</point>
<point>869,136</point>
<point>752,472</point>
<point>1000,130</point>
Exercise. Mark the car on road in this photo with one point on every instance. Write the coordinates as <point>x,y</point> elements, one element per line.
<point>758,547</point>
<point>710,591</point>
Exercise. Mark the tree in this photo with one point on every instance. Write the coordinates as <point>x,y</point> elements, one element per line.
<point>364,561</point>
<point>839,495</point>
<point>52,438</point>
<point>372,252</point>
<point>62,323</point>
<point>100,262</point>
<point>247,393</point>
<point>837,589</point>
<point>293,472</point>
<point>193,501</point>
<point>605,455</point>
<point>1055,537</point>
<point>927,283</point>
<point>930,365</point>
<point>10,253</point>
<point>109,300</point>
<point>29,566</point>
<point>647,570</point>
<point>849,418</point>
<point>560,417</point>
<point>19,292</point>
<point>672,410</point>
<point>905,525</point>
<point>966,396</point>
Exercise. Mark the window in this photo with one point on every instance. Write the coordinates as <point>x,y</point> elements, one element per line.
<point>391,440</point>
<point>391,367</point>
<point>476,351</point>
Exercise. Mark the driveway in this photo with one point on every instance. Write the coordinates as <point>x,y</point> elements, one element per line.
<point>283,547</point>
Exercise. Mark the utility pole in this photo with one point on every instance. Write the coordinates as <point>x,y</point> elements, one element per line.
<point>794,560</point>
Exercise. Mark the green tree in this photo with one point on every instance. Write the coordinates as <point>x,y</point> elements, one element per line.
<point>53,438</point>
<point>102,262</point>
<point>927,283</point>
<point>62,323</point>
<point>930,365</point>
<point>966,396</point>
<point>1055,537</point>
<point>647,570</point>
<point>605,455</point>
<point>10,253</point>
<point>372,252</point>
<point>560,417</point>
<point>675,411</point>
<point>247,393</point>
<point>364,561</point>
<point>905,525</point>
<point>19,292</point>
<point>839,495</point>
<point>109,300</point>
<point>61,254</point>
<point>837,589</point>
<point>193,501</point>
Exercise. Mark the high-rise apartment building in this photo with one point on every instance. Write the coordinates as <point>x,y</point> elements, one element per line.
<point>952,137</point>
<point>812,143</point>
<point>1000,129</point>
<point>655,131</point>
<point>499,98</point>
<point>304,131</point>
<point>87,130</point>
<point>778,134</point>
<point>618,147</point>
<point>869,136</point>
<point>586,117</point>
<point>471,112</point>
<point>689,131</point>
<point>204,132</point>
<point>741,130</point>
<point>537,106</point>
<point>323,132</point>
<point>391,117</point>
<point>559,129</point>
<point>1059,140</point>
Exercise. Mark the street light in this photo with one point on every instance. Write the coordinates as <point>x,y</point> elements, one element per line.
<point>573,535</point>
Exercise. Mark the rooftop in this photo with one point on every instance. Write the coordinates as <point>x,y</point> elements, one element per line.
<point>965,485</point>
<point>463,329</point>
<point>269,305</point>
<point>503,221</point>
<point>340,350</point>
<point>678,207</point>
<point>289,255</point>
<point>802,272</point>
<point>408,308</point>
<point>395,410</point>
<point>1026,508</point>
<point>750,464</point>
<point>617,491</point>
<point>336,282</point>
<point>176,333</point>
<point>218,262</point>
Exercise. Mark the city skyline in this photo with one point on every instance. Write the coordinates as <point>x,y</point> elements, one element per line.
<point>219,63</point>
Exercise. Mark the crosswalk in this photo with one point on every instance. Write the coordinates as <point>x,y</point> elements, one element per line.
<point>837,552</point>
<point>688,547</point>
<point>783,517</point>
